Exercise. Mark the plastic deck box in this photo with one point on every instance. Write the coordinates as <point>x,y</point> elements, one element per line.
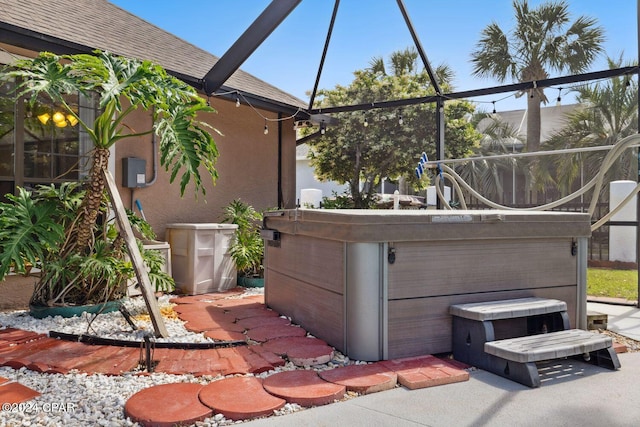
<point>200,260</point>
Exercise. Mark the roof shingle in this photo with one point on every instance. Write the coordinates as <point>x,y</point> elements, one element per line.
<point>99,24</point>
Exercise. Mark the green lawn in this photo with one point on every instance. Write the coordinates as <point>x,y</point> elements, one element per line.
<point>612,283</point>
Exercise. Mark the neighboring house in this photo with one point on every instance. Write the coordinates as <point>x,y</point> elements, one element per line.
<point>256,167</point>
<point>553,119</point>
<point>306,176</point>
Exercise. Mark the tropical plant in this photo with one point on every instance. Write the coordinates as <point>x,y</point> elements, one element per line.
<point>122,86</point>
<point>368,146</point>
<point>247,247</point>
<point>607,112</point>
<point>543,40</point>
<point>32,229</point>
<point>486,176</point>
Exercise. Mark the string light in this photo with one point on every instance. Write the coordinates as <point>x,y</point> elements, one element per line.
<point>559,99</point>
<point>366,122</point>
<point>237,102</point>
<point>266,128</point>
<point>323,128</point>
<point>400,120</point>
<point>494,107</point>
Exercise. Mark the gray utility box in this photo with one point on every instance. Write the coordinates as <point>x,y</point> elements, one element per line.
<point>200,259</point>
<point>378,284</point>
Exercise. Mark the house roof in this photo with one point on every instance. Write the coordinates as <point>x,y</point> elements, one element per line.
<point>71,26</point>
<point>552,119</point>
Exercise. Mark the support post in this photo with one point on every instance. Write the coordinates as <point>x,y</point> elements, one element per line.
<point>638,196</point>
<point>440,140</point>
<point>136,258</point>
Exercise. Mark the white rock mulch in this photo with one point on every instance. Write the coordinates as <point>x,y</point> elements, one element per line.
<point>80,399</point>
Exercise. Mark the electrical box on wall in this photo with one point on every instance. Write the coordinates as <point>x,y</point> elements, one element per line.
<point>133,172</point>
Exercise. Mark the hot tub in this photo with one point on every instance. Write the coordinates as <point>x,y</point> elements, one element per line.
<point>377,284</point>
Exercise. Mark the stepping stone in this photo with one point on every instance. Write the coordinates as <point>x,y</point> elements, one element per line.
<point>16,393</point>
<point>362,379</point>
<point>167,405</point>
<point>21,355</point>
<point>222,334</point>
<point>240,398</point>
<point>301,351</point>
<point>305,388</point>
<point>238,313</point>
<point>239,303</point>
<point>282,345</point>
<point>257,322</point>
<point>110,360</point>
<point>187,308</point>
<point>257,363</point>
<point>267,355</point>
<point>425,371</point>
<point>210,297</point>
<point>19,336</point>
<point>67,355</point>
<point>270,332</point>
<point>203,324</point>
<point>235,362</point>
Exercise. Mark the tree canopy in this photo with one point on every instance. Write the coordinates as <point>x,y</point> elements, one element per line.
<point>543,40</point>
<point>367,146</point>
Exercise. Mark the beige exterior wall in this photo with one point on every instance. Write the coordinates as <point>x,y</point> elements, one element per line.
<point>247,168</point>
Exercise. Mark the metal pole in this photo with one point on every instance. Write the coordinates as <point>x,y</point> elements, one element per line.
<point>440,140</point>
<point>638,197</point>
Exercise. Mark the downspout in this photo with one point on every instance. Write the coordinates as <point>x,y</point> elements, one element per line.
<point>154,162</point>
<point>280,198</point>
<point>154,156</point>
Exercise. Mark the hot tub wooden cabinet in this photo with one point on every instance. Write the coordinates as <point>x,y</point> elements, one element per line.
<point>378,284</point>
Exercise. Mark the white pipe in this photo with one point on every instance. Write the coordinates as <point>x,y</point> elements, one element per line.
<point>596,182</point>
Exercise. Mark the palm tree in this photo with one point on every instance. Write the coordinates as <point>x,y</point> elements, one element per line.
<point>122,86</point>
<point>608,112</point>
<point>542,41</point>
<point>498,137</point>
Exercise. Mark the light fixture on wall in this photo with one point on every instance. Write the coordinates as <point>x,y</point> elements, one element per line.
<point>58,118</point>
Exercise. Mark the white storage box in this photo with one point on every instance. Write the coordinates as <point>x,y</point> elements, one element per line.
<point>133,287</point>
<point>200,259</point>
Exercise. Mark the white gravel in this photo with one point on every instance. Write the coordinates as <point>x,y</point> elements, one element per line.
<point>79,399</point>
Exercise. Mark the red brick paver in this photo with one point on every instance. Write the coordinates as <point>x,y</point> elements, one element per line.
<point>11,392</point>
<point>362,379</point>
<point>167,405</point>
<point>425,371</point>
<point>240,398</point>
<point>305,388</point>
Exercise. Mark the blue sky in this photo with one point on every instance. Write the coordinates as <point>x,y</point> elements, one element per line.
<point>447,29</point>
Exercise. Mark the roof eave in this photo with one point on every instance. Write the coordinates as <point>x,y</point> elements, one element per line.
<point>38,42</point>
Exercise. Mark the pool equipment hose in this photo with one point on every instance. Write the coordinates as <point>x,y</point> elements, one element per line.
<point>596,183</point>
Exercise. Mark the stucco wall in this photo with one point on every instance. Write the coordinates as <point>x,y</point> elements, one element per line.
<point>247,168</point>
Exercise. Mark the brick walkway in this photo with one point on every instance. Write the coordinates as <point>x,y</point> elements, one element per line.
<point>223,316</point>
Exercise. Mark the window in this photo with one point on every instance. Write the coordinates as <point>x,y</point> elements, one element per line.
<point>40,143</point>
